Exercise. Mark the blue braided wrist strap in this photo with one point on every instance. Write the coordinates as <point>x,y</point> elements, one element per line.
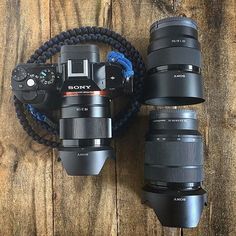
<point>122,60</point>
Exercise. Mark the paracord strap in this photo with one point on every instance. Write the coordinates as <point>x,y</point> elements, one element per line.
<point>85,35</point>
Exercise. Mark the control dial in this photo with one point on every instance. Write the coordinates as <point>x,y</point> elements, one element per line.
<point>19,74</point>
<point>47,77</point>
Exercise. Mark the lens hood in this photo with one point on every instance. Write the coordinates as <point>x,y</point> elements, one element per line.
<point>180,209</point>
<point>173,88</point>
<point>85,161</point>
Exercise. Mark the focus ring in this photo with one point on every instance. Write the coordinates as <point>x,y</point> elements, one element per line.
<point>174,55</point>
<point>172,113</point>
<point>85,128</point>
<point>178,174</point>
<point>178,153</point>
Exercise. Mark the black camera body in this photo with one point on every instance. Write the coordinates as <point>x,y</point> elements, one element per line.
<point>37,84</point>
<point>83,87</point>
<point>79,71</point>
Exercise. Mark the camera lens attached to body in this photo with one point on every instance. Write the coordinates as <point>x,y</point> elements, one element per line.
<point>173,63</point>
<point>173,168</point>
<point>85,124</point>
<point>85,130</point>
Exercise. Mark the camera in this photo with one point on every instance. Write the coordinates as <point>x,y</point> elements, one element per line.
<point>82,87</point>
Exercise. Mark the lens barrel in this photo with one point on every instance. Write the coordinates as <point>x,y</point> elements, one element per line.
<point>85,130</point>
<point>173,63</point>
<point>173,168</point>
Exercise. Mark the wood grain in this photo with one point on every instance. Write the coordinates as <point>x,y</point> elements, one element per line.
<point>25,167</point>
<point>38,198</point>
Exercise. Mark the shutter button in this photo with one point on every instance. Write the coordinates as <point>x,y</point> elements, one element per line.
<point>30,82</point>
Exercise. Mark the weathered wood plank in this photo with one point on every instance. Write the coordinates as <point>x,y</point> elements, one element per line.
<point>216,20</point>
<point>25,167</point>
<point>83,205</point>
<point>110,204</point>
<point>133,19</point>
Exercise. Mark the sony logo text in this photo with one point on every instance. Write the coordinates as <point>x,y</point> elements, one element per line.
<point>74,87</point>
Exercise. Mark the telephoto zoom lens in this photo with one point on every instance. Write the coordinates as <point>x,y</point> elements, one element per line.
<point>173,63</point>
<point>173,168</point>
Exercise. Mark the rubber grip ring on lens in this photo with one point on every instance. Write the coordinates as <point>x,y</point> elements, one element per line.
<point>172,113</point>
<point>174,55</point>
<point>85,128</point>
<point>180,174</point>
<point>174,153</point>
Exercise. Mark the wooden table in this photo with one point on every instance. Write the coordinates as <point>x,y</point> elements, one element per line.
<point>37,196</point>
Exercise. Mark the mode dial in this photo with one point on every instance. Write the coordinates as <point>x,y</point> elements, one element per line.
<point>19,73</point>
<point>47,77</point>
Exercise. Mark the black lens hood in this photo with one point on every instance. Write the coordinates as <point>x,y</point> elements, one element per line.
<point>84,161</point>
<point>173,88</point>
<point>180,209</point>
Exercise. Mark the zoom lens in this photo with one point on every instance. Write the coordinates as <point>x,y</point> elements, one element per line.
<point>173,63</point>
<point>174,168</point>
<point>85,130</point>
